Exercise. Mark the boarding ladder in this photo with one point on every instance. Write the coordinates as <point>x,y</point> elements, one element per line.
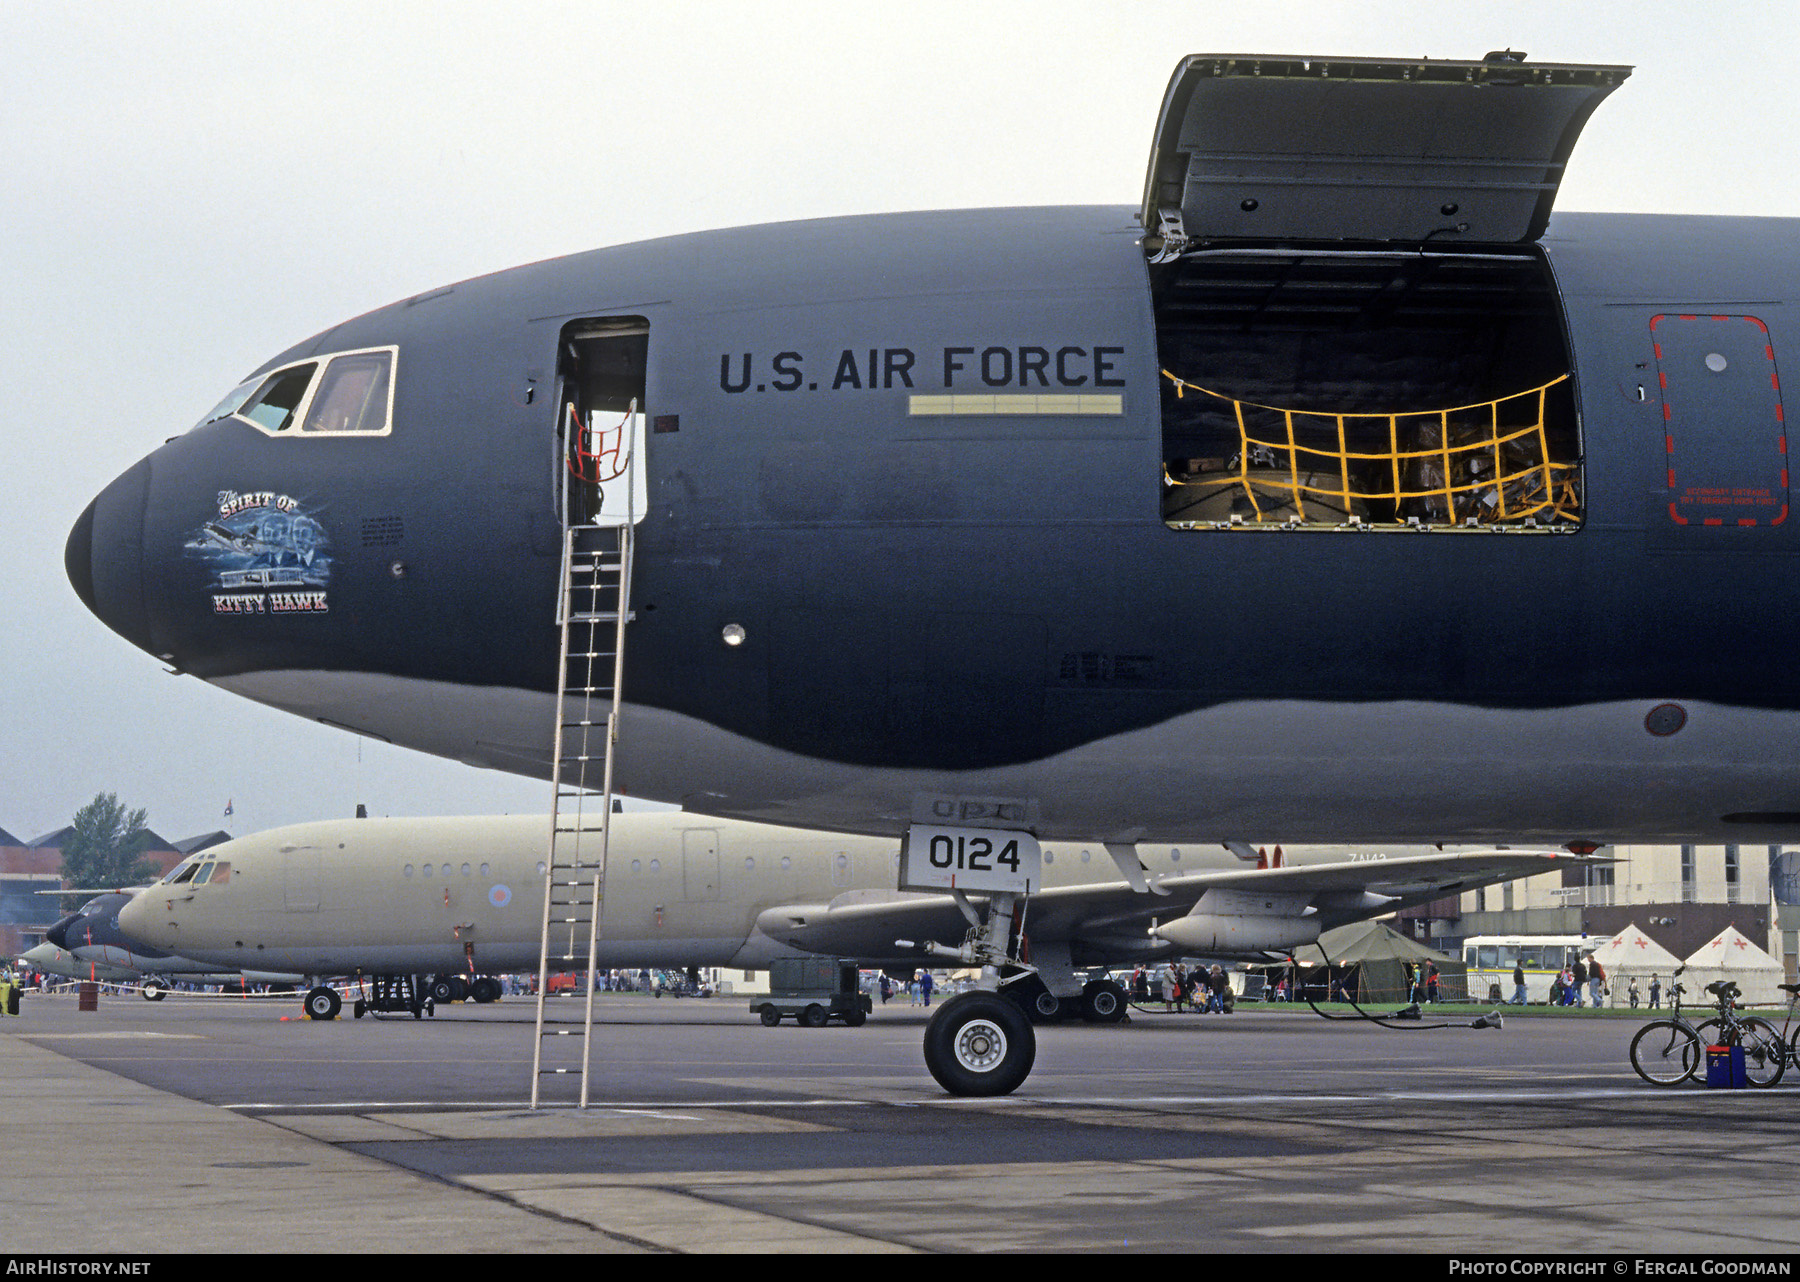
<point>593,607</point>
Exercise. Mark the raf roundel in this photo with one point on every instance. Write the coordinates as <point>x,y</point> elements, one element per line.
<point>499,896</point>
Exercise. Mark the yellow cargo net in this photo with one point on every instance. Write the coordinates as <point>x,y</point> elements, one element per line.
<point>1489,463</point>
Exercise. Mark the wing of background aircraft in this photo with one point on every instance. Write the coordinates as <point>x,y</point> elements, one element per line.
<point>1237,911</point>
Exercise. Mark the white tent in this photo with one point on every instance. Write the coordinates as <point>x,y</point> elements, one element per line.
<point>1631,954</point>
<point>1730,955</point>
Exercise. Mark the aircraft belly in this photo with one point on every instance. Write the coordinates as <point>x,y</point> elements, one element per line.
<point>1294,771</point>
<point>509,958</point>
<point>1289,770</point>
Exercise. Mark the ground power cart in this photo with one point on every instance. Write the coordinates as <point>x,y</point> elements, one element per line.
<point>812,991</point>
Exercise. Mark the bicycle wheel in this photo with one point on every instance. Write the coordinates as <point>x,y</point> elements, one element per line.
<point>1765,1057</point>
<point>1665,1053</point>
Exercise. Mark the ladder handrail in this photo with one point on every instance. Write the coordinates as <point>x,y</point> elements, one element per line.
<point>567,617</point>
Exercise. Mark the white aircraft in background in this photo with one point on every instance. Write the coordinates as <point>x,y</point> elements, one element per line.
<point>52,960</point>
<point>464,896</point>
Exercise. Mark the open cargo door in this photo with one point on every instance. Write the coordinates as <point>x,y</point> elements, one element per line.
<point>1386,150</point>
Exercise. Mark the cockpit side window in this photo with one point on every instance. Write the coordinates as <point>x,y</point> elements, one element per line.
<point>342,394</point>
<point>353,395</point>
<point>232,402</point>
<point>272,407</point>
<point>184,873</point>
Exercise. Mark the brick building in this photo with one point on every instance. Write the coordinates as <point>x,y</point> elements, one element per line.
<point>27,867</point>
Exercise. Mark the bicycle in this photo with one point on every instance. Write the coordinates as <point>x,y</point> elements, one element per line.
<point>1765,1053</point>
<point>1668,1052</point>
<point>1790,1031</point>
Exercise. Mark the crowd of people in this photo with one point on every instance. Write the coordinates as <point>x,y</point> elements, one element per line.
<point>1200,989</point>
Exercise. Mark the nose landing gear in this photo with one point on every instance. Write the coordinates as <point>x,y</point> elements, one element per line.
<point>980,1044</point>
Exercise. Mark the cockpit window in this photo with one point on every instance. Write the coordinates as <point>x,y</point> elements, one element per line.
<point>234,400</point>
<point>353,395</point>
<point>347,393</point>
<point>273,406</point>
<point>183,873</point>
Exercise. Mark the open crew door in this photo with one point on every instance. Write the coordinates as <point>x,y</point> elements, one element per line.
<point>600,420</point>
<point>1387,150</point>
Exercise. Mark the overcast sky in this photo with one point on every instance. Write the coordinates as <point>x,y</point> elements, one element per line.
<point>189,188</point>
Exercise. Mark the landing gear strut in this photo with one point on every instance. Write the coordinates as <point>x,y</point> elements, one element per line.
<point>981,1043</point>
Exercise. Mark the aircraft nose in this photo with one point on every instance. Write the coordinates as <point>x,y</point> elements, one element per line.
<point>134,918</point>
<point>105,555</point>
<point>59,933</point>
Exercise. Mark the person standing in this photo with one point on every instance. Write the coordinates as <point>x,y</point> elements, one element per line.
<point>925,987</point>
<point>1596,981</point>
<point>1518,983</point>
<point>1431,981</point>
<point>1655,992</point>
<point>1580,979</point>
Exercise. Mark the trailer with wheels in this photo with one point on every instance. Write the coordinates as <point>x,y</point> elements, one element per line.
<point>813,991</point>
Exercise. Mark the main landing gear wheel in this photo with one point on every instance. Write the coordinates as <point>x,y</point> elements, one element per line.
<point>153,990</point>
<point>1045,1007</point>
<point>323,1003</point>
<point>1103,1002</point>
<point>979,1044</point>
<point>1040,1005</point>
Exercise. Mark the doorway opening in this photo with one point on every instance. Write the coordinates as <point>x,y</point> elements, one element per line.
<point>600,420</point>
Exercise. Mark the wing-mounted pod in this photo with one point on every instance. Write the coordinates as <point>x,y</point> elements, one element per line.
<point>1400,151</point>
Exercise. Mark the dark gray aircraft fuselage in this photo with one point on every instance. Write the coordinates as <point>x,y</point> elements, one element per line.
<point>983,603</point>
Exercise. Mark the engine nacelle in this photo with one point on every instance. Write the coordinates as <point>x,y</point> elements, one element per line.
<point>1239,921</point>
<point>1225,933</point>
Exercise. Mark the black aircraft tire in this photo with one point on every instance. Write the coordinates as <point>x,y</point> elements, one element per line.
<point>1103,1002</point>
<point>443,989</point>
<point>323,1003</point>
<point>485,990</point>
<point>153,991</point>
<point>979,1044</point>
<point>1046,1007</point>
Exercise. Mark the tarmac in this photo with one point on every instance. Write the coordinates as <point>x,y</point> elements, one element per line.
<point>208,1127</point>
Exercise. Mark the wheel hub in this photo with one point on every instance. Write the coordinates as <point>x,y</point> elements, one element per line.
<point>980,1046</point>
